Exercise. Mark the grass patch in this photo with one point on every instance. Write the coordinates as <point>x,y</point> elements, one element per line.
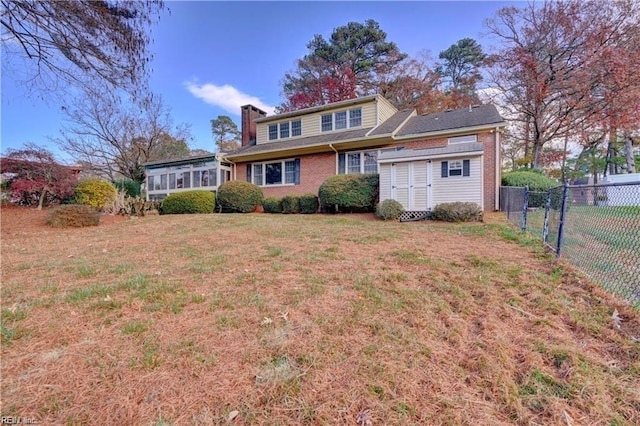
<point>347,318</point>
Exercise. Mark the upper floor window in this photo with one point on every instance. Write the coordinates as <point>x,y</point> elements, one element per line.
<point>285,129</point>
<point>464,139</point>
<point>341,120</point>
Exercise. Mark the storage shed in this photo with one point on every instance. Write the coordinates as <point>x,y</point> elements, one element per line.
<point>420,179</point>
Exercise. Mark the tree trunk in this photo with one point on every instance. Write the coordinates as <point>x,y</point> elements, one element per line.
<point>42,196</point>
<point>628,148</point>
<point>564,158</point>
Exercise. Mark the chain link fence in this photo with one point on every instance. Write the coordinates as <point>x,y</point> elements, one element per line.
<point>594,227</point>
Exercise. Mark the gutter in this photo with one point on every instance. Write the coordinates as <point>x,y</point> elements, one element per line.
<point>337,157</point>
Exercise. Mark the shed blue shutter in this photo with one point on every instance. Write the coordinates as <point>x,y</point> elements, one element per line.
<point>248,172</point>
<point>466,167</point>
<point>341,164</point>
<point>445,169</point>
<point>296,173</point>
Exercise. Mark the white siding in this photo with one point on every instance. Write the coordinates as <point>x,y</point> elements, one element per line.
<point>419,183</point>
<point>385,182</point>
<point>401,183</point>
<point>458,188</point>
<point>311,122</point>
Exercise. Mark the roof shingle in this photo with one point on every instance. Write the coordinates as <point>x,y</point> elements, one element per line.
<point>478,115</point>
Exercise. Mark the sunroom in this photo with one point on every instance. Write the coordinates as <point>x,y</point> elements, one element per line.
<point>171,176</point>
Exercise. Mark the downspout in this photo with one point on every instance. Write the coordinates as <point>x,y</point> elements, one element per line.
<point>336,151</point>
<point>497,171</point>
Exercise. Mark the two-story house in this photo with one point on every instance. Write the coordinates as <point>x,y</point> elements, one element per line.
<point>423,160</point>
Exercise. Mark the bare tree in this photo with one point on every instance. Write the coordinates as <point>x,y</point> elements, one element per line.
<point>116,138</point>
<point>80,40</point>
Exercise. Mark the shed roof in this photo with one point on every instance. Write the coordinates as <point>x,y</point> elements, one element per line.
<point>458,148</point>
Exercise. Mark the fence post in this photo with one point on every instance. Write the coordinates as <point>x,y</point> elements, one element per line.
<point>545,227</point>
<point>563,213</point>
<point>525,206</point>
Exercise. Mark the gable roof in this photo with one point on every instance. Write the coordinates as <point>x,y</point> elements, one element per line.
<point>395,121</point>
<point>479,115</point>
<point>305,111</point>
<point>400,126</point>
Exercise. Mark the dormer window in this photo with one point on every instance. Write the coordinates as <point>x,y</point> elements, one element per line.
<point>341,120</point>
<point>285,129</point>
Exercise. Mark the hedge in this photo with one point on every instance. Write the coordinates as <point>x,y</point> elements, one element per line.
<point>272,205</point>
<point>389,210</point>
<point>239,196</point>
<point>72,215</point>
<point>536,181</point>
<point>309,204</point>
<point>457,212</point>
<point>197,201</point>
<point>349,193</point>
<point>95,193</point>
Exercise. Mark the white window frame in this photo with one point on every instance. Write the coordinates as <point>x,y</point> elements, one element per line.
<point>349,120</point>
<point>455,166</point>
<point>263,173</point>
<point>463,139</point>
<point>279,129</point>
<point>362,161</point>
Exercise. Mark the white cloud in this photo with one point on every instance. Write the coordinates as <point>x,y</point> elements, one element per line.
<point>226,97</point>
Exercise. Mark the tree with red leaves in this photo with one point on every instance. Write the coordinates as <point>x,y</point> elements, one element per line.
<point>36,178</point>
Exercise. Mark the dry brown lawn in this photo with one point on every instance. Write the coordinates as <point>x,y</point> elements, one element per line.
<point>277,319</point>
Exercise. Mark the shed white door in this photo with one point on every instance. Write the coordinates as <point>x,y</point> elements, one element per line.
<point>410,184</point>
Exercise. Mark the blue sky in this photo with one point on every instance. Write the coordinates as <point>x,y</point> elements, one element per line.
<point>213,57</point>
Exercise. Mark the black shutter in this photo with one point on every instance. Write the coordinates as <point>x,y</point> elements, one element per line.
<point>296,173</point>
<point>445,169</point>
<point>248,172</point>
<point>341,164</point>
<point>466,167</point>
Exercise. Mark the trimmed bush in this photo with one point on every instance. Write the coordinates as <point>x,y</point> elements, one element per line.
<point>389,210</point>
<point>95,193</point>
<point>72,215</point>
<point>536,182</point>
<point>130,187</point>
<point>457,212</point>
<point>349,193</point>
<point>290,204</point>
<point>309,204</point>
<point>198,201</point>
<point>239,196</point>
<point>272,205</point>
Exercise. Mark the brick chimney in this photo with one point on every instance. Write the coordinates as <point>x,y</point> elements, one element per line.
<point>249,114</point>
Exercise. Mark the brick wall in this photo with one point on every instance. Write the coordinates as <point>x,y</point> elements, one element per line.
<point>314,169</point>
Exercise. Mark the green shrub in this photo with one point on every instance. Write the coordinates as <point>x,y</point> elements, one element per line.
<point>457,212</point>
<point>535,180</point>
<point>72,215</point>
<point>389,210</point>
<point>197,201</point>
<point>130,187</point>
<point>308,204</point>
<point>272,205</point>
<point>239,196</point>
<point>290,204</point>
<point>349,193</point>
<point>95,193</point>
